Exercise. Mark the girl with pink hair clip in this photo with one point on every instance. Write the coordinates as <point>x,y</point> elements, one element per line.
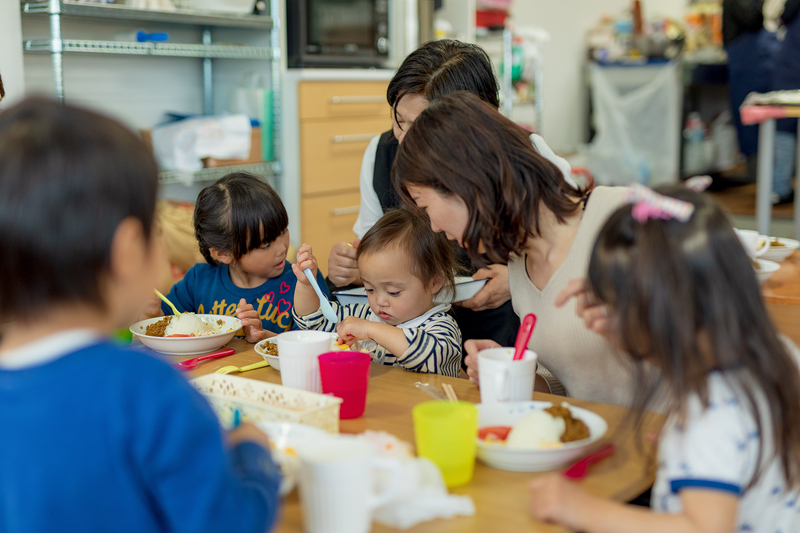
<point>670,284</point>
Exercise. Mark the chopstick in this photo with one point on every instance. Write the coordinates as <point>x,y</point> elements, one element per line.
<point>450,392</point>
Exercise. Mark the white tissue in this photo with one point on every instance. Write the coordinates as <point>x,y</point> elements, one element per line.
<point>423,497</point>
<point>182,145</point>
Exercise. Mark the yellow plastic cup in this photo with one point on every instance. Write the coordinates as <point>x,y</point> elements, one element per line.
<point>445,433</point>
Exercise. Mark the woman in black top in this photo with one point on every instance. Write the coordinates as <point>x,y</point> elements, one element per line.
<point>435,69</point>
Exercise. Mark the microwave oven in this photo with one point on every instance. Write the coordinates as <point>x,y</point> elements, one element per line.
<point>337,33</point>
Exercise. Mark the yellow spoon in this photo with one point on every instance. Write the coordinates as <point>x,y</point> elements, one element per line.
<point>174,310</point>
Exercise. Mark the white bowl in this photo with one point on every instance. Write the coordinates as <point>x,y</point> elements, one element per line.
<point>779,253</point>
<point>504,457</point>
<point>188,345</point>
<point>765,269</point>
<point>466,288</point>
<point>288,442</point>
<point>274,360</point>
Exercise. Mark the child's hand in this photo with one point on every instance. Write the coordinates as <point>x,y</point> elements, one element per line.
<point>247,432</point>
<point>153,309</point>
<point>305,259</point>
<point>557,500</point>
<point>353,329</point>
<point>251,323</point>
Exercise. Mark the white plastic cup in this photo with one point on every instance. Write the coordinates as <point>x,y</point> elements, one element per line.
<point>504,380</point>
<point>749,240</point>
<point>298,352</point>
<point>337,485</point>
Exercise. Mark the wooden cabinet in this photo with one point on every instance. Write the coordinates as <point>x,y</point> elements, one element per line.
<point>337,121</point>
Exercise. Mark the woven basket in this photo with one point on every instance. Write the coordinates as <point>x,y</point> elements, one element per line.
<point>259,401</point>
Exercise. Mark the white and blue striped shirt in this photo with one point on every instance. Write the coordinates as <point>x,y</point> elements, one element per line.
<point>434,341</point>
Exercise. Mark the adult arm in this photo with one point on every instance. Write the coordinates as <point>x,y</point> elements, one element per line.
<point>342,266</point>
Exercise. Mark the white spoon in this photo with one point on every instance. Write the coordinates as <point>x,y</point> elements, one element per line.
<point>324,304</point>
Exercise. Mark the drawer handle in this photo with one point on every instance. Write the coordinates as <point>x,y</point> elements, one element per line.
<point>361,137</point>
<point>377,99</point>
<point>339,211</point>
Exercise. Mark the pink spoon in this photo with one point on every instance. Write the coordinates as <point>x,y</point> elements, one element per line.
<point>191,363</point>
<point>578,470</point>
<point>524,335</point>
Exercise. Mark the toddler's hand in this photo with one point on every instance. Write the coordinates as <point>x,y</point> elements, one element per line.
<point>353,329</point>
<point>305,259</point>
<point>251,323</point>
<point>557,500</point>
<point>152,310</point>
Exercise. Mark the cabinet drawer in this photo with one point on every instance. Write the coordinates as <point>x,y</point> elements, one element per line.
<point>332,151</point>
<point>326,99</point>
<point>327,220</point>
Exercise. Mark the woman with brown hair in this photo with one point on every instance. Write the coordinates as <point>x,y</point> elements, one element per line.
<point>481,181</point>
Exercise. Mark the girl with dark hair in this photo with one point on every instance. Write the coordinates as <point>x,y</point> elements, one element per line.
<point>680,294</point>
<point>481,181</point>
<point>242,227</point>
<point>407,271</point>
<point>433,70</point>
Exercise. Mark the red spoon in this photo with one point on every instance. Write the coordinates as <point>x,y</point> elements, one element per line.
<point>524,335</point>
<point>191,363</point>
<point>578,470</point>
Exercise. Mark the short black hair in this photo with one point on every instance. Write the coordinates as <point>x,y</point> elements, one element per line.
<point>68,177</point>
<point>442,67</point>
<point>2,89</point>
<point>432,255</point>
<point>237,214</point>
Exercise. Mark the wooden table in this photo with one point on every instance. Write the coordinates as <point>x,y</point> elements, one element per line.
<point>782,295</point>
<point>501,497</point>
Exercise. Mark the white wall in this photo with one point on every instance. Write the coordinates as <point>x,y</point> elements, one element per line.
<point>565,100</point>
<point>11,52</point>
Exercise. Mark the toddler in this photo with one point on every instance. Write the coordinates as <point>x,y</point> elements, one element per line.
<point>96,438</point>
<point>242,227</point>
<point>404,265</point>
<point>673,287</point>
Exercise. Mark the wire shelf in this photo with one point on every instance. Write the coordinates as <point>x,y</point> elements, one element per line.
<point>267,170</point>
<point>227,51</point>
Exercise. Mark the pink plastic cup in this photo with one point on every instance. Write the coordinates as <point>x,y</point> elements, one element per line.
<point>345,375</point>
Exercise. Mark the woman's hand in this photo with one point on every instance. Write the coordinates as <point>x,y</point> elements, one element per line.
<point>496,291</point>
<point>305,259</point>
<point>342,265</point>
<point>153,309</point>
<point>594,314</point>
<point>251,323</point>
<point>472,347</point>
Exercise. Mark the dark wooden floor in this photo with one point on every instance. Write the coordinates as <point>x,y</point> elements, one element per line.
<point>741,201</point>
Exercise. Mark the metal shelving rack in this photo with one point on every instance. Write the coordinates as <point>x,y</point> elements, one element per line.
<point>57,46</point>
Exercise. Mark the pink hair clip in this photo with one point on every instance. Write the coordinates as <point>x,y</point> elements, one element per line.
<point>649,204</point>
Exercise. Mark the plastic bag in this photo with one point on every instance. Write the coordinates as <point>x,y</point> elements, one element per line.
<point>637,138</point>
<point>253,97</point>
<point>182,145</point>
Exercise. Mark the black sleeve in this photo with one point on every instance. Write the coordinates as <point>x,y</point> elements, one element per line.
<point>741,16</point>
<point>790,11</point>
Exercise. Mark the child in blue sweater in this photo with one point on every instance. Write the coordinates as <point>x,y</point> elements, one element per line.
<point>242,227</point>
<point>95,438</point>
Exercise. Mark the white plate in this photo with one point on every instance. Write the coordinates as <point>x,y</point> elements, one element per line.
<point>188,345</point>
<point>466,288</point>
<point>288,442</point>
<point>765,269</point>
<point>779,253</point>
<point>504,457</point>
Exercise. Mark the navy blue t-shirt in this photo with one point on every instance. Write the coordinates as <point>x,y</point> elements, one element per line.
<point>208,289</point>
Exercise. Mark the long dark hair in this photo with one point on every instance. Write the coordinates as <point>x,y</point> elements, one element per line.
<point>686,299</point>
<point>463,146</point>
<point>432,256</point>
<point>237,214</point>
<point>442,67</point>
